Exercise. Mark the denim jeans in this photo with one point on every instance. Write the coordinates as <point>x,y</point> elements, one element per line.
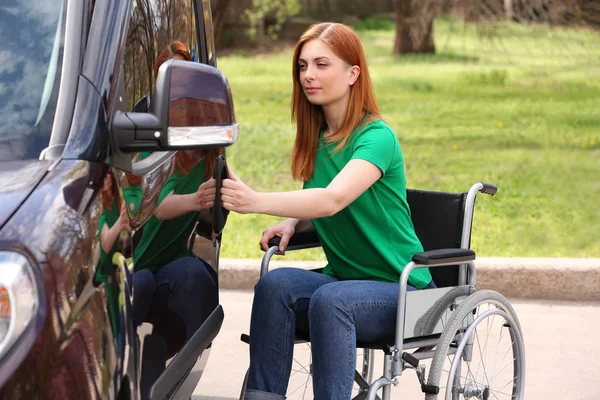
<point>182,294</point>
<point>186,287</point>
<point>336,313</point>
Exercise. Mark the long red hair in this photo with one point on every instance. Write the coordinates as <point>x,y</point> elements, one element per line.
<point>173,49</point>
<point>108,196</point>
<point>182,162</point>
<point>309,118</point>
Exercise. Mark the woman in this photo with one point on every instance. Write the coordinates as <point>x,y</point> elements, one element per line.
<point>173,285</point>
<point>112,222</point>
<point>355,195</point>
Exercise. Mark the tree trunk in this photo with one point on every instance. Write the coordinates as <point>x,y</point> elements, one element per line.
<point>508,9</point>
<point>414,28</point>
<point>403,43</point>
<point>261,36</point>
<point>426,44</point>
<point>218,14</point>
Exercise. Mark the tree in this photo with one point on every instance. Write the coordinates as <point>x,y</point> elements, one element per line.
<point>219,13</point>
<point>414,25</point>
<point>414,18</point>
<point>275,11</point>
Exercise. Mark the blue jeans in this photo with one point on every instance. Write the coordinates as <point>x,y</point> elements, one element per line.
<point>176,299</point>
<point>186,287</point>
<point>336,313</point>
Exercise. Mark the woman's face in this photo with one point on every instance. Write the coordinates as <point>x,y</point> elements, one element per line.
<point>107,182</point>
<point>194,154</point>
<point>325,78</point>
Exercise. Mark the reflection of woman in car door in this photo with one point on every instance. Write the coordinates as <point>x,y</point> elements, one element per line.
<point>112,222</point>
<point>181,285</point>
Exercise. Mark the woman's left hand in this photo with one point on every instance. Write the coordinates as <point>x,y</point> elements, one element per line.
<point>237,196</point>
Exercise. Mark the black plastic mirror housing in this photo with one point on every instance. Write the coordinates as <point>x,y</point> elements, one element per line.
<point>191,108</point>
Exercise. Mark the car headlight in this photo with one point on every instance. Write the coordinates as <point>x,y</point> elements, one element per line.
<point>19,301</point>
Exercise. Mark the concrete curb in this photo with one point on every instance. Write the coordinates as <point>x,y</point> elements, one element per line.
<point>575,279</point>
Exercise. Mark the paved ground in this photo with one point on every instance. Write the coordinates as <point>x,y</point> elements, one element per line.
<point>561,340</point>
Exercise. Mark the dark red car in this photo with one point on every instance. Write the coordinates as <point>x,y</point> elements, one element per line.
<point>80,107</point>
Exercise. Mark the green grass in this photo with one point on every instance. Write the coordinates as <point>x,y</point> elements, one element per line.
<point>515,106</point>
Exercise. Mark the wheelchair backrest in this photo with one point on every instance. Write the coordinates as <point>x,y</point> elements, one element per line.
<point>438,221</point>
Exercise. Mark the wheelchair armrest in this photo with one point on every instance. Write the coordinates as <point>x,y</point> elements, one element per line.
<point>301,240</point>
<point>444,256</point>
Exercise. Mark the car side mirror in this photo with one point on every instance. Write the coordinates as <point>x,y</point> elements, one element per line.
<point>191,108</point>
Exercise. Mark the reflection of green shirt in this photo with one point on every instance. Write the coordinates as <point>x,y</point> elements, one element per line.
<point>108,217</point>
<point>106,271</point>
<point>373,238</point>
<point>166,241</point>
<point>133,195</point>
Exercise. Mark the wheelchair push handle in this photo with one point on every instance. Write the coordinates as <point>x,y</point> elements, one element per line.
<point>488,188</point>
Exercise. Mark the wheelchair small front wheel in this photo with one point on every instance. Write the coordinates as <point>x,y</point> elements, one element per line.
<point>481,352</point>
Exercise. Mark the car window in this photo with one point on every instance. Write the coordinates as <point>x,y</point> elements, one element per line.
<point>30,67</point>
<point>209,34</point>
<point>153,25</point>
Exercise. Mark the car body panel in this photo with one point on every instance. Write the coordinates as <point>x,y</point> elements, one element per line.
<point>82,344</point>
<point>59,224</point>
<point>18,178</point>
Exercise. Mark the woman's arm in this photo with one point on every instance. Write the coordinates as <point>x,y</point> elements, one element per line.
<point>352,181</point>
<point>175,205</point>
<point>108,236</point>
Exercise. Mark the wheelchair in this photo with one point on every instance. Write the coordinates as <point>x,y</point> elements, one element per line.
<point>473,338</point>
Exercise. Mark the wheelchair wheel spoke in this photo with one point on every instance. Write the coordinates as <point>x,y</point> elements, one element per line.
<point>496,355</point>
<point>500,391</point>
<point>472,367</point>
<point>300,382</point>
<point>300,385</point>
<point>305,388</point>
<point>482,353</point>
<point>302,368</point>
<point>506,366</point>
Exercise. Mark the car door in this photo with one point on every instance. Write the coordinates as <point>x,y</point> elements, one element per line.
<point>158,31</point>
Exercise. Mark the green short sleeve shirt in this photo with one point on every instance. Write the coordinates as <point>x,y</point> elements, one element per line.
<point>167,240</point>
<point>373,238</point>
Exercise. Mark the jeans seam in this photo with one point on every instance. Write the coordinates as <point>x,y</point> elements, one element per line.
<point>373,303</point>
<point>286,345</point>
<point>351,359</point>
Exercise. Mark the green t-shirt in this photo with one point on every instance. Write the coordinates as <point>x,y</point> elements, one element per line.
<point>133,197</point>
<point>373,238</point>
<point>105,272</point>
<point>166,241</point>
<point>108,217</point>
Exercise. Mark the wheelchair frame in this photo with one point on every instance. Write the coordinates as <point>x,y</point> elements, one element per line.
<point>396,361</point>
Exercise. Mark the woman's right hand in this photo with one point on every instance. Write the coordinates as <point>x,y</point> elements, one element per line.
<point>123,221</point>
<point>205,195</point>
<point>285,230</point>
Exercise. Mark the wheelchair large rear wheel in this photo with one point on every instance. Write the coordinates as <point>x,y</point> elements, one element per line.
<point>300,383</point>
<point>440,314</point>
<point>481,352</point>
